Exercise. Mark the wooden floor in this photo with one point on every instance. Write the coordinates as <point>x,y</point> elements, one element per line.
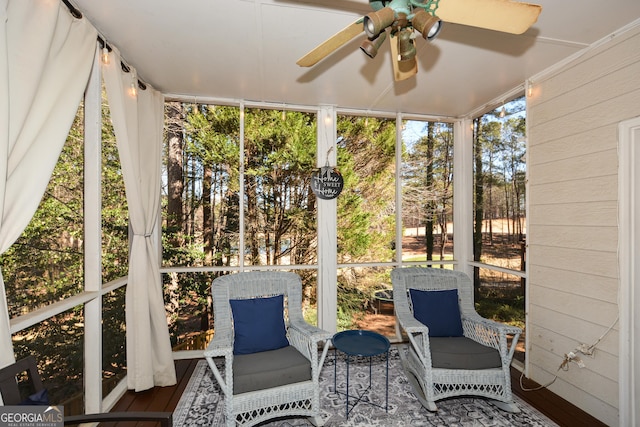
<point>156,399</point>
<point>553,406</point>
<point>166,399</point>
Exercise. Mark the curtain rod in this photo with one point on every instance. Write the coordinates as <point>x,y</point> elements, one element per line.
<point>103,43</point>
<point>75,12</point>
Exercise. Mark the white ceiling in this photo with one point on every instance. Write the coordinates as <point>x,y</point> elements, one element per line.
<point>247,49</point>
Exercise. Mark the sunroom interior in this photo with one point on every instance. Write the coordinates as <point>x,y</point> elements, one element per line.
<point>576,73</point>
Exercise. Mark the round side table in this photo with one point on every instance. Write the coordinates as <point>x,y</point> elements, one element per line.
<point>361,343</point>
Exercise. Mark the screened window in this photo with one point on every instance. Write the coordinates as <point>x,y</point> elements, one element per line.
<point>279,206</point>
<point>366,206</point>
<point>236,193</point>
<point>427,191</point>
<point>201,185</point>
<point>499,190</point>
<point>499,239</point>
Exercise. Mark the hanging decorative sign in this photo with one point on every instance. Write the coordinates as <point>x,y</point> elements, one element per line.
<point>326,182</point>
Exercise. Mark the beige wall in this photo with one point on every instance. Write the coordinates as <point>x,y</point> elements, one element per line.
<point>573,117</point>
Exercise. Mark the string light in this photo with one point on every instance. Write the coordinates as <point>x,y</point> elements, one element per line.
<point>105,55</point>
<point>503,112</point>
<point>133,90</point>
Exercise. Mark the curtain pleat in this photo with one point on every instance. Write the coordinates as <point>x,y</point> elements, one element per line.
<point>45,60</point>
<point>138,123</point>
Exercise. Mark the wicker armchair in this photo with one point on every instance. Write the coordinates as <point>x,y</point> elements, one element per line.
<point>476,363</point>
<point>266,384</point>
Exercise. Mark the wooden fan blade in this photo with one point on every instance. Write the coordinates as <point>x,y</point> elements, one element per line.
<point>402,70</point>
<point>331,44</point>
<point>499,15</point>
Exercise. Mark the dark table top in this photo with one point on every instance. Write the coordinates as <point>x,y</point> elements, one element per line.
<point>361,343</point>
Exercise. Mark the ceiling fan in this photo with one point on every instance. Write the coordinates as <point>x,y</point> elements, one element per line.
<point>400,20</point>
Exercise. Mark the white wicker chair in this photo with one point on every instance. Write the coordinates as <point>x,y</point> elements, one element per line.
<point>433,383</point>
<point>295,399</point>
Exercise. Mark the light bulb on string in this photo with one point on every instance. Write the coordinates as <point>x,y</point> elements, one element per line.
<point>105,55</point>
<point>133,90</point>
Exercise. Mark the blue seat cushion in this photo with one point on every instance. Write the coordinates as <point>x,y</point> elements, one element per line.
<point>258,324</point>
<point>439,310</point>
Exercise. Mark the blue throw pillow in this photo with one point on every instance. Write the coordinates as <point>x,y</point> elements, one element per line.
<point>439,310</point>
<point>258,324</point>
<point>38,398</point>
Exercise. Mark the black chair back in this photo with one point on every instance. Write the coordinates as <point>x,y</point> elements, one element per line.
<point>9,380</point>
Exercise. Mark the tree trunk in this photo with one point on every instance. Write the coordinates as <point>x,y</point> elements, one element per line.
<point>175,177</point>
<point>207,217</point>
<point>251,222</point>
<point>490,207</point>
<point>479,182</point>
<point>431,203</point>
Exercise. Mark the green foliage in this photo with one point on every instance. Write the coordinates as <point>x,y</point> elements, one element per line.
<point>505,310</point>
<point>279,155</point>
<point>280,210</point>
<point>115,253</point>
<point>352,303</point>
<point>115,211</point>
<point>57,343</point>
<point>46,264</point>
<point>356,286</point>
<point>366,160</point>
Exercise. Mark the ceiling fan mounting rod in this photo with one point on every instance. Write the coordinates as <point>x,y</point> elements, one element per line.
<point>428,5</point>
<point>406,6</point>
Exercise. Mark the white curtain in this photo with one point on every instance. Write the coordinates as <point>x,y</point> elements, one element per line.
<point>45,61</point>
<point>138,123</point>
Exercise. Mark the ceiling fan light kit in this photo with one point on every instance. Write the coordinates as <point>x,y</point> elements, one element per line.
<point>426,24</point>
<point>371,47</point>
<point>376,22</point>
<point>402,17</point>
<point>406,46</point>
